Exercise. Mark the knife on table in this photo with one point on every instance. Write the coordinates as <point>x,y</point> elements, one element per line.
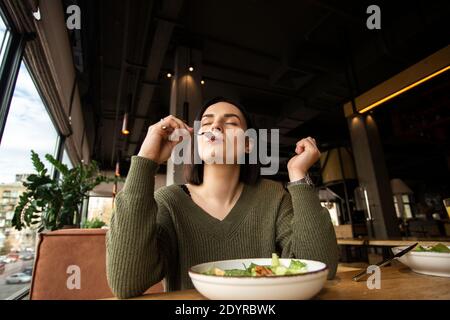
<point>385,262</point>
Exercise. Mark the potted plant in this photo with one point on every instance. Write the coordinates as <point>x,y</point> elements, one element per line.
<point>55,203</point>
<point>94,223</point>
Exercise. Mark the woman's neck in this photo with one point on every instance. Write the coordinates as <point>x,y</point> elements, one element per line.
<point>221,182</point>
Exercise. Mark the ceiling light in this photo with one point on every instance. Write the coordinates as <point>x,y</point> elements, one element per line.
<point>409,87</point>
<point>125,130</point>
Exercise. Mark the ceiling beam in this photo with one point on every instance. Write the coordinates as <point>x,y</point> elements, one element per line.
<point>342,13</point>
<point>396,85</point>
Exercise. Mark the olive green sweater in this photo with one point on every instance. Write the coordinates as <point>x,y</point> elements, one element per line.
<point>156,235</point>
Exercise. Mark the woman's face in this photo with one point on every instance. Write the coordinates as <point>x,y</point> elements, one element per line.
<point>224,141</point>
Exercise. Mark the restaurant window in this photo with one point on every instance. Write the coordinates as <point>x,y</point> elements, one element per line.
<point>407,206</point>
<point>397,209</point>
<point>28,127</point>
<point>403,206</point>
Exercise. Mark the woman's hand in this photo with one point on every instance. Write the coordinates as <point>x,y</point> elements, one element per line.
<point>307,155</point>
<point>156,145</point>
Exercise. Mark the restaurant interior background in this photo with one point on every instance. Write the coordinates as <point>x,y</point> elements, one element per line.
<point>309,68</point>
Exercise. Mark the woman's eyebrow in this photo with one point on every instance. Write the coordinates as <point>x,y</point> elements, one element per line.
<point>229,115</point>
<point>226,115</point>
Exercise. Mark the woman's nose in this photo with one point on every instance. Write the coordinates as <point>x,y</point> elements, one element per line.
<point>216,126</point>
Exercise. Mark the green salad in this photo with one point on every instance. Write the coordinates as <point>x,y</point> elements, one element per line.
<point>436,248</point>
<point>254,270</point>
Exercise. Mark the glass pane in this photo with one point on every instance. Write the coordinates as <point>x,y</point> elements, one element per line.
<point>397,210</point>
<point>100,207</point>
<point>4,39</point>
<point>408,212</point>
<point>28,126</point>
<point>405,198</point>
<point>66,160</point>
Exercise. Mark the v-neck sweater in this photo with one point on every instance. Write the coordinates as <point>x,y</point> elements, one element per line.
<point>160,235</point>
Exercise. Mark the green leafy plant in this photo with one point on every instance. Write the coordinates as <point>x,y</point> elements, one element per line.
<point>95,223</point>
<point>52,203</point>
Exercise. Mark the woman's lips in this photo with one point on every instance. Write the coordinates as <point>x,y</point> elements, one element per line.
<point>213,138</point>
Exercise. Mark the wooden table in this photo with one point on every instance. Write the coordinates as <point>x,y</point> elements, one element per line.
<point>398,282</point>
<point>391,242</point>
<point>351,242</point>
<point>362,244</point>
<point>406,242</point>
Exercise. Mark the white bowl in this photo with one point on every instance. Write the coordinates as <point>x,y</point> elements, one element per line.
<point>290,287</point>
<point>430,263</point>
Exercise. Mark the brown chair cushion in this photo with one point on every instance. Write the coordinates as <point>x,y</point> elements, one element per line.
<point>60,249</point>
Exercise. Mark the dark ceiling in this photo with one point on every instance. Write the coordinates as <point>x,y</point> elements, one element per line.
<point>292,63</point>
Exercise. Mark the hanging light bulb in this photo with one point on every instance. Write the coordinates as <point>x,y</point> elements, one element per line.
<point>117,172</point>
<point>202,82</point>
<point>169,75</point>
<point>125,130</point>
<point>190,65</point>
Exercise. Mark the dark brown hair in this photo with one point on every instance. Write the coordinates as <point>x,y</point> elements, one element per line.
<point>249,174</point>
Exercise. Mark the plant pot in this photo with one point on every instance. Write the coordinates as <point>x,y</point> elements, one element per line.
<point>70,226</point>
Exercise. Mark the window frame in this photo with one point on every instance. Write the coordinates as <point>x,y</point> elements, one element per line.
<point>13,58</point>
<point>58,142</point>
<point>9,72</point>
<point>4,19</point>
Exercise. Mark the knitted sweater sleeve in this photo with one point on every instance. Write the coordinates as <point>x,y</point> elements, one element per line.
<point>137,241</point>
<point>304,228</point>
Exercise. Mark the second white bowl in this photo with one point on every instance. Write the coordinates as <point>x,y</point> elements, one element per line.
<point>430,263</point>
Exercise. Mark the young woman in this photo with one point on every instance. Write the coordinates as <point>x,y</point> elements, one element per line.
<point>226,211</point>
